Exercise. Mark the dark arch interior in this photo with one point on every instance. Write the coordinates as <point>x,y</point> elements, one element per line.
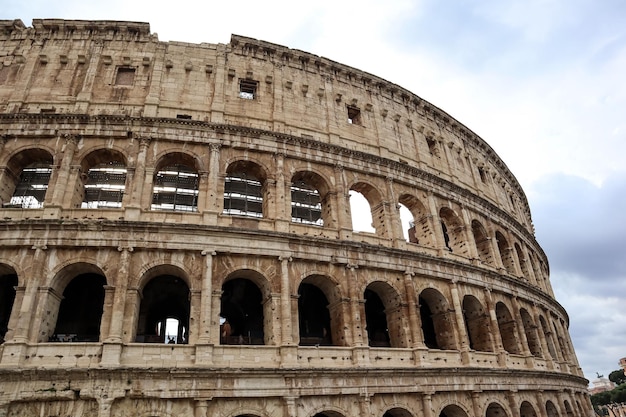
<point>314,316</point>
<point>7,297</point>
<point>164,297</point>
<point>80,311</point>
<point>428,325</point>
<point>376,319</point>
<point>242,310</point>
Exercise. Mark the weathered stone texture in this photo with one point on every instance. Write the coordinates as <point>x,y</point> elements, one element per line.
<point>142,181</point>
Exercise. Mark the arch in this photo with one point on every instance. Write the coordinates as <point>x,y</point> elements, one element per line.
<point>551,410</point>
<point>104,180</point>
<point>548,336</point>
<point>361,216</point>
<point>80,309</point>
<point>25,179</point>
<point>530,329</point>
<point>320,312</point>
<point>328,413</point>
<point>437,320</point>
<point>175,183</point>
<point>245,310</point>
<point>383,315</point>
<point>165,307</point>
<point>508,329</point>
<point>8,282</point>
<point>506,253</point>
<point>482,242</point>
<point>452,410</point>
<point>418,230</point>
<point>477,324</point>
<point>453,231</point>
<point>245,189</point>
<point>495,410</point>
<point>523,262</point>
<point>568,408</point>
<point>398,412</point>
<point>527,410</point>
<point>310,202</point>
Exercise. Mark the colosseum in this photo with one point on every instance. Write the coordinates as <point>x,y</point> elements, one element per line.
<point>181,237</point>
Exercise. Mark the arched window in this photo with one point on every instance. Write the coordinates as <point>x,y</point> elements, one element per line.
<point>452,411</point>
<point>551,410</point>
<point>415,220</point>
<point>530,329</point>
<point>453,231</point>
<point>244,188</point>
<point>508,329</point>
<point>242,311</point>
<point>495,410</point>
<point>366,209</point>
<point>175,188</point>
<point>383,316</point>
<point>320,314</point>
<point>105,179</point>
<point>8,282</point>
<point>26,179</point>
<point>527,410</point>
<point>164,311</point>
<point>477,324</point>
<point>483,243</point>
<point>437,319</point>
<point>80,311</point>
<point>308,202</point>
<point>505,253</point>
<point>548,336</point>
<point>523,262</point>
<point>397,412</point>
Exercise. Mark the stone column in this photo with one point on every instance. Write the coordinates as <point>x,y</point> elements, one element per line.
<point>200,408</point>
<point>285,301</point>
<point>439,241</point>
<point>365,408</point>
<point>283,197</point>
<point>476,403</point>
<point>344,219</point>
<point>203,191</point>
<point>357,312</point>
<point>519,327</point>
<point>541,404</point>
<point>216,300</point>
<point>107,307</point>
<point>462,337</point>
<point>515,408</point>
<point>61,184</point>
<point>469,235</point>
<point>290,406</point>
<point>496,337</point>
<point>119,299</point>
<point>414,316</point>
<point>28,306</point>
<point>212,198</point>
<point>136,187</point>
<point>542,338</point>
<point>427,404</point>
<point>206,324</point>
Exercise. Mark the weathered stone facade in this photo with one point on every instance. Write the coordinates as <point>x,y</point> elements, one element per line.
<point>151,185</point>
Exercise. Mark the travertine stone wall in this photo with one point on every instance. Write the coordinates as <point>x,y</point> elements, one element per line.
<point>472,326</point>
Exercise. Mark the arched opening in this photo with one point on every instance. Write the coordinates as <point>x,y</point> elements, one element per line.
<point>309,199</point>
<point>548,336</point>
<point>26,179</point>
<point>453,232</point>
<point>80,311</point>
<point>361,213</point>
<point>527,410</point>
<point>314,316</point>
<point>508,329</point>
<point>506,254</point>
<point>415,220</point>
<point>8,282</point>
<point>523,261</point>
<point>397,412</point>
<point>437,319</point>
<point>482,242</point>
<point>530,329</point>
<point>320,311</point>
<point>452,411</point>
<point>164,311</point>
<point>175,183</point>
<point>551,410</point>
<point>568,408</point>
<point>242,310</point>
<point>105,180</point>
<point>477,324</point>
<point>376,319</point>
<point>495,410</point>
<point>244,189</point>
<point>383,316</point>
<point>328,414</point>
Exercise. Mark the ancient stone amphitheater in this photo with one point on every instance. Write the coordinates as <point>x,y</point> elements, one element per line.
<point>181,237</point>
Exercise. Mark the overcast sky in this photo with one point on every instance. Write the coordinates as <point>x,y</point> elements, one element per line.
<point>542,81</point>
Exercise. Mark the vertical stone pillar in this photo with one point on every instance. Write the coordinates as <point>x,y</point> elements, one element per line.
<point>107,307</point>
<point>200,408</point>
<point>357,312</point>
<point>495,336</point>
<point>131,314</point>
<point>136,187</point>
<point>394,221</point>
<point>519,327</point>
<point>119,299</point>
<point>61,184</point>
<point>365,408</point>
<point>460,322</point>
<point>472,250</point>
<point>290,406</point>
<point>427,404</point>
<point>440,242</point>
<point>287,337</point>
<point>513,406</point>
<point>203,191</point>
<point>216,300</point>
<point>212,199</point>
<point>104,405</point>
<point>476,403</point>
<point>541,404</point>
<point>84,96</point>
<point>417,339</point>
<point>344,217</point>
<point>28,306</point>
<point>542,338</point>
<point>206,324</point>
<point>282,199</point>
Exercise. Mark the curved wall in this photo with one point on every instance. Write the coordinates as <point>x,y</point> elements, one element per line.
<point>177,238</point>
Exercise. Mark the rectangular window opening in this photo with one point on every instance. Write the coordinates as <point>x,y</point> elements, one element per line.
<point>354,115</point>
<point>125,76</point>
<point>247,89</point>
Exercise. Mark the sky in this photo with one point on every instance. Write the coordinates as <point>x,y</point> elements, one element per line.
<point>542,81</point>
